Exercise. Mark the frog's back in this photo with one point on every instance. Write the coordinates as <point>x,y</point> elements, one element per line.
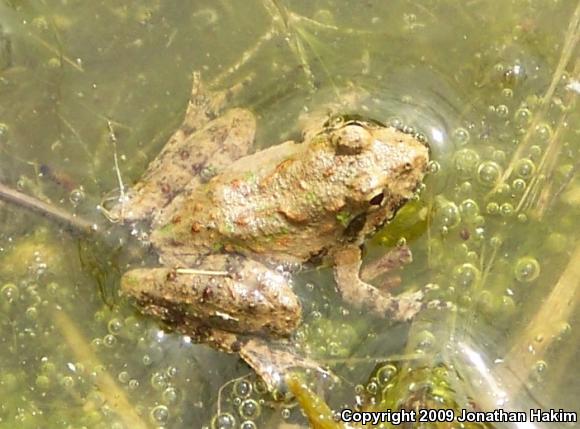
<point>294,202</point>
<point>258,206</point>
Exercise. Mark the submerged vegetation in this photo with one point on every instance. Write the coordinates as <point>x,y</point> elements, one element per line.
<point>89,94</point>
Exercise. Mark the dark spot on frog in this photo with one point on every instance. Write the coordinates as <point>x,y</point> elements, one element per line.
<point>207,294</point>
<point>197,167</point>
<point>195,227</point>
<point>236,346</point>
<point>355,226</point>
<point>377,199</point>
<point>317,257</point>
<point>187,131</point>
<point>184,154</point>
<point>166,189</point>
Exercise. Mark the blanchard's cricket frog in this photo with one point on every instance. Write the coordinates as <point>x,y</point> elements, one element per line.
<point>227,225</point>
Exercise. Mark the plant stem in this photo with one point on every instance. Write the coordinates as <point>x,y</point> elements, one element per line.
<point>116,397</point>
<point>547,324</point>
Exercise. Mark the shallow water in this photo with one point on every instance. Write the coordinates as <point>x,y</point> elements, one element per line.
<point>493,86</point>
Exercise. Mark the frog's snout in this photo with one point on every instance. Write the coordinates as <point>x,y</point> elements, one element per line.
<point>351,139</point>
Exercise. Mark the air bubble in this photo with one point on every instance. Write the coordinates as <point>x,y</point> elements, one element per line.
<point>425,340</point>
<point>248,424</point>
<point>395,123</point>
<point>544,132</point>
<point>159,414</point>
<point>249,409</point>
<point>514,74</point>
<point>502,111</point>
<point>466,161</point>
<point>522,117</point>
<point>519,186</point>
<point>386,373</point>
<point>469,210</point>
<point>76,196</point>
<point>488,173</point>
<point>527,269</point>
<point>67,382</point>
<point>10,292</point>
<point>223,421</point>
<point>433,167</point>
<point>460,136</point>
<point>170,395</point>
<point>466,275</point>
<point>449,214</point>
<point>158,381</point>
<point>525,168</point>
<point>492,208</point>
<point>372,387</point>
<point>507,93</point>
<point>496,241</point>
<point>260,387</point>
<point>506,210</point>
<point>114,326</point>
<point>123,377</point>
<point>31,313</point>
<point>540,368</point>
<point>110,341</point>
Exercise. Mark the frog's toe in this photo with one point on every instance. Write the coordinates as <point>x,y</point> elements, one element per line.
<point>274,362</point>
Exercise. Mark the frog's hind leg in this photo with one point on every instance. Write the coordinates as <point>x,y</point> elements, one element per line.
<point>198,150</point>
<point>226,302</point>
<point>273,361</point>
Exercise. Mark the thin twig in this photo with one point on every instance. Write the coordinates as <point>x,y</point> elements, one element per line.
<point>570,43</point>
<point>113,139</point>
<point>246,56</point>
<point>280,19</point>
<point>192,271</point>
<point>71,222</point>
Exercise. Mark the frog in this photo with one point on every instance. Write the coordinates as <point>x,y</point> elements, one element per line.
<point>231,226</point>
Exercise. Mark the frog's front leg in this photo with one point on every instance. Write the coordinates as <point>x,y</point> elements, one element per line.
<point>347,273</point>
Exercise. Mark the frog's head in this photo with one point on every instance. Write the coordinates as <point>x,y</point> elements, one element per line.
<point>380,168</point>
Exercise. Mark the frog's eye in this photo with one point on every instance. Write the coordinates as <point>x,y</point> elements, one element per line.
<point>334,122</point>
<point>377,199</point>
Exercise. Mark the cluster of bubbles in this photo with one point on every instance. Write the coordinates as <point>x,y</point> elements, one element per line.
<point>246,403</point>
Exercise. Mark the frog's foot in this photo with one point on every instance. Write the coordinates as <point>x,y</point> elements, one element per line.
<point>205,105</point>
<point>273,362</point>
<point>347,264</point>
<point>387,264</point>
